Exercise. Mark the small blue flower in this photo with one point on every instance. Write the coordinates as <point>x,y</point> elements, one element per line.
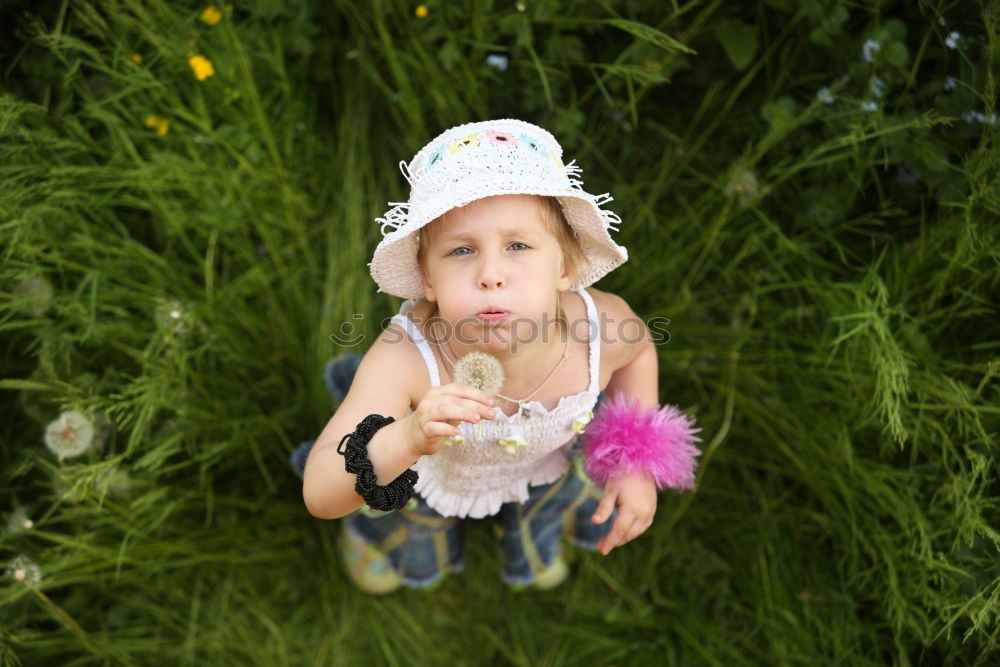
<point>979,117</point>
<point>497,61</point>
<point>950,83</point>
<point>951,41</point>
<point>868,105</point>
<point>869,48</point>
<point>877,86</point>
<point>824,95</point>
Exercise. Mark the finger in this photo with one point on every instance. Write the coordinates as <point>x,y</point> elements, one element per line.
<point>439,429</point>
<point>453,412</point>
<point>620,528</point>
<point>637,529</point>
<point>467,391</point>
<point>607,504</point>
<point>482,410</point>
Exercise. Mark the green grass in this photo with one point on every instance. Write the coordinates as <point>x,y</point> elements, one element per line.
<point>829,274</point>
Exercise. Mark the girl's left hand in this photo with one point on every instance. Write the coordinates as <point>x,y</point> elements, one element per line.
<point>635,496</point>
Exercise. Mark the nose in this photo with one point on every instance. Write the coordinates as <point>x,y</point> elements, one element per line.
<point>491,273</point>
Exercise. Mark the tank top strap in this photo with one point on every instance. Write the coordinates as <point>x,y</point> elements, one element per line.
<point>594,338</point>
<point>418,339</point>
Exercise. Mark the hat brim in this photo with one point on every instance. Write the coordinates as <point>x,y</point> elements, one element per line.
<point>394,264</point>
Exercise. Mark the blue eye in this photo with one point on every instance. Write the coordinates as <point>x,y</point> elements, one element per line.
<point>516,245</point>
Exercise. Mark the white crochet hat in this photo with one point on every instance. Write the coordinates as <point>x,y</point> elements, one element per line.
<point>479,160</point>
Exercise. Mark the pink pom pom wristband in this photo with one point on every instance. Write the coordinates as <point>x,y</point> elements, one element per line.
<point>623,438</point>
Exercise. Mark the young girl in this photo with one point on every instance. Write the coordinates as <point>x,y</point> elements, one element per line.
<point>495,251</point>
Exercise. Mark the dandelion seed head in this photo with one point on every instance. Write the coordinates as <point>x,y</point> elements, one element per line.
<point>480,370</point>
<point>18,521</point>
<point>743,184</point>
<point>520,6</point>
<point>34,295</point>
<point>69,435</point>
<point>24,570</point>
<point>102,430</point>
<point>171,317</point>
<point>115,482</point>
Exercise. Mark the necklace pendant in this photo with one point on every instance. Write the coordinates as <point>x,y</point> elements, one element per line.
<point>524,412</point>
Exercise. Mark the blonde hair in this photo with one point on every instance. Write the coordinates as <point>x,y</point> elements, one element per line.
<point>550,211</point>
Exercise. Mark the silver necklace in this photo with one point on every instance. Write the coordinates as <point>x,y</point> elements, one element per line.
<point>522,410</point>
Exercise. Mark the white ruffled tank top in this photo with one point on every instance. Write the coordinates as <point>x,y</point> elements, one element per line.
<point>475,477</point>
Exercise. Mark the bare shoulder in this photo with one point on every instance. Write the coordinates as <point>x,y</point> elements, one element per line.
<point>623,333</point>
<point>386,382</point>
<point>391,368</point>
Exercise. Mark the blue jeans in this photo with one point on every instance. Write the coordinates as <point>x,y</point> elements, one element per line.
<point>422,546</point>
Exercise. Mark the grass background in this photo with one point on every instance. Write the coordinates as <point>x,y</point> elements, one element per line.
<point>809,192</point>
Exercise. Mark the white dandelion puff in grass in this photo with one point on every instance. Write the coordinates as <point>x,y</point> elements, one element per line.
<point>18,521</point>
<point>951,41</point>
<point>71,434</point>
<point>33,295</point>
<point>115,482</point>
<point>482,371</point>
<point>102,430</point>
<point>869,48</point>
<point>743,184</point>
<point>24,570</point>
<point>171,317</point>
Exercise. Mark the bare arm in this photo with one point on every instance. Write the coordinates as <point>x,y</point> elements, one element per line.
<point>384,384</point>
<point>635,374</point>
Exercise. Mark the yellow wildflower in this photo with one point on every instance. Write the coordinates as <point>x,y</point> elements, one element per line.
<point>137,58</point>
<point>202,67</point>
<point>421,11</point>
<point>211,15</point>
<point>162,125</point>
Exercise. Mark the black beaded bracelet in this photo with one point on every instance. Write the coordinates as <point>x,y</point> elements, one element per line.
<point>392,496</point>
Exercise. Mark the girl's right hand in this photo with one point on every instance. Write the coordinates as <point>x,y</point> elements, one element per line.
<point>439,412</point>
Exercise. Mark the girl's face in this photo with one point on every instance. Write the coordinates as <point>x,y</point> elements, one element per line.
<point>495,254</point>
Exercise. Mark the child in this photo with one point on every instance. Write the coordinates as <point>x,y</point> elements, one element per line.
<point>494,251</point>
